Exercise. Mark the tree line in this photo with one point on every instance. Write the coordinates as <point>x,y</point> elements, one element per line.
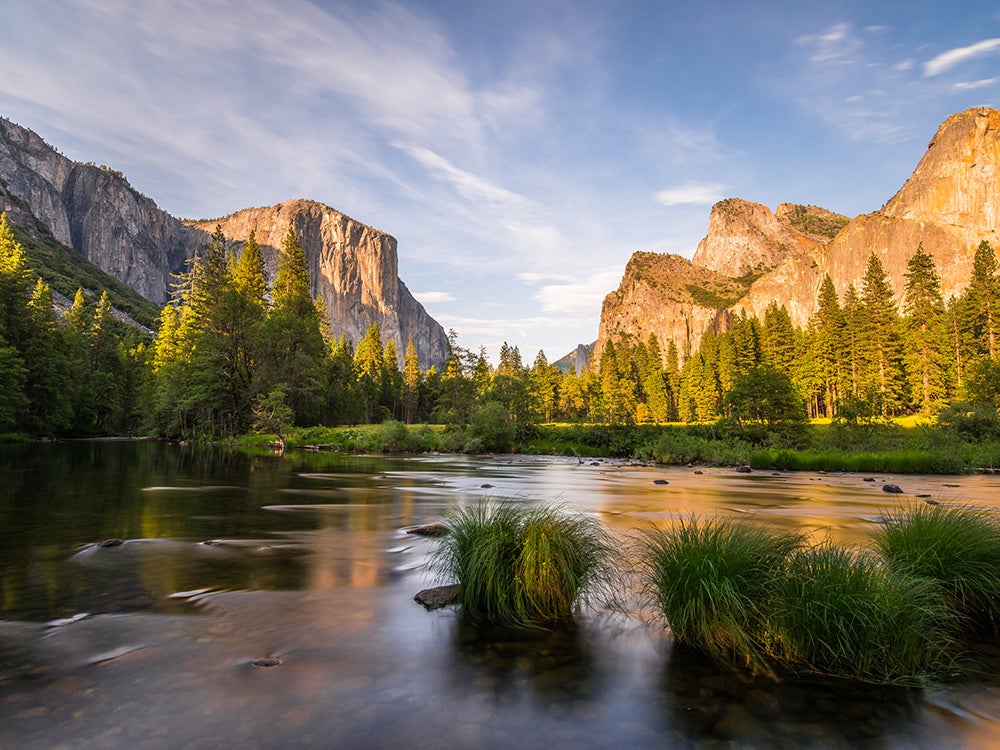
<point>235,353</point>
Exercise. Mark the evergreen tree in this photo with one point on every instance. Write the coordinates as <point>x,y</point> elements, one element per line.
<point>822,369</point>
<point>778,343</point>
<point>46,387</point>
<point>411,382</point>
<point>880,340</point>
<point>925,333</point>
<point>369,366</point>
<point>544,383</point>
<point>248,273</point>
<point>980,307</point>
<point>293,337</point>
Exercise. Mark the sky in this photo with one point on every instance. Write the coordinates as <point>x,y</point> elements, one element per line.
<point>519,152</point>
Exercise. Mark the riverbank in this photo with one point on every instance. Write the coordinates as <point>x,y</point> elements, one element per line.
<point>907,448</point>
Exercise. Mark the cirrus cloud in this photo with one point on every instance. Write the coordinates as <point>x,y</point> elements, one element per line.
<point>948,60</point>
<point>692,193</point>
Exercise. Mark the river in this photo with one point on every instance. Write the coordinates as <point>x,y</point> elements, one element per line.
<point>257,601</point>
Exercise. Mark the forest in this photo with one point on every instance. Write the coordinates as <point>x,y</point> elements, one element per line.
<point>235,354</point>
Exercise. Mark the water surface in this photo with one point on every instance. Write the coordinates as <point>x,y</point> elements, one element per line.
<point>304,563</point>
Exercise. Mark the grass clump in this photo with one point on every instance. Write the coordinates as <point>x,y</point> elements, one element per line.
<point>957,547</point>
<point>714,581</point>
<point>521,567</point>
<point>839,612</point>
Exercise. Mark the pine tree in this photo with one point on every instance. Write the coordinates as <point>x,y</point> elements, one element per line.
<point>248,273</point>
<point>925,329</point>
<point>778,345</point>
<point>980,305</point>
<point>880,340</point>
<point>293,338</point>
<point>411,382</point>
<point>369,366</point>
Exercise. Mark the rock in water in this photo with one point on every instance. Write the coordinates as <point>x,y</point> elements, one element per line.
<point>440,596</point>
<point>892,488</point>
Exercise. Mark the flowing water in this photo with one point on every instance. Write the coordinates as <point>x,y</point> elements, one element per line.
<point>264,602</point>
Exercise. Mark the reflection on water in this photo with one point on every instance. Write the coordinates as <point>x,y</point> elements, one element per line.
<point>229,559</point>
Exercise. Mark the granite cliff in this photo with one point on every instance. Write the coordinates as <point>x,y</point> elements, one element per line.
<point>950,204</point>
<point>353,267</point>
<point>97,213</point>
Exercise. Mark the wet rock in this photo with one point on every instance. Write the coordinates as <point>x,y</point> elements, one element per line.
<point>440,596</point>
<point>744,469</point>
<point>486,486</point>
<point>660,481</point>
<point>951,485</point>
<point>430,529</point>
<point>112,543</point>
<point>267,661</point>
<point>892,489</point>
<point>932,502</point>
<point>869,479</point>
<point>698,471</point>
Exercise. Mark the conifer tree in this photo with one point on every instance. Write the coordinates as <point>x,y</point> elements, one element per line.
<point>980,305</point>
<point>778,344</point>
<point>925,332</point>
<point>369,366</point>
<point>293,338</point>
<point>880,340</point>
<point>411,382</point>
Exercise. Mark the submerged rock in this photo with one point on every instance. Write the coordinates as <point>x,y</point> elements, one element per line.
<point>112,543</point>
<point>430,529</point>
<point>660,481</point>
<point>892,488</point>
<point>440,596</point>
<point>744,469</point>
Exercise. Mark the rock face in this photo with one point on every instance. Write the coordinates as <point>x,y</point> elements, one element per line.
<point>667,295</point>
<point>95,211</point>
<point>950,204</point>
<point>744,237</point>
<point>352,267</point>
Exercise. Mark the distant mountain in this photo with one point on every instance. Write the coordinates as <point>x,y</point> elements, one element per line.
<point>94,212</point>
<point>352,266</point>
<point>751,256</point>
<point>578,359</point>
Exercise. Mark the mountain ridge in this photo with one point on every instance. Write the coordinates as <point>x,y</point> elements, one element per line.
<point>949,204</point>
<point>96,212</point>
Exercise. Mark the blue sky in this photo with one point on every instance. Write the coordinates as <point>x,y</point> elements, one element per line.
<point>520,152</point>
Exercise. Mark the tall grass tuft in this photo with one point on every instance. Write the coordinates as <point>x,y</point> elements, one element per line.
<point>839,612</point>
<point>521,567</point>
<point>714,581</point>
<point>957,546</point>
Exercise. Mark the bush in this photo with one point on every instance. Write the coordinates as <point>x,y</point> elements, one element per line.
<point>957,547</point>
<point>523,568</point>
<point>840,613</point>
<point>714,581</point>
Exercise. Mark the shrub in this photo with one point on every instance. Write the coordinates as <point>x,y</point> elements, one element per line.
<point>956,546</point>
<point>523,568</point>
<point>839,612</point>
<point>714,580</point>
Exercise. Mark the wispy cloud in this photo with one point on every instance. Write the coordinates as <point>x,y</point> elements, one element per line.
<point>428,298</point>
<point>849,79</point>
<point>692,193</point>
<point>971,85</point>
<point>948,60</point>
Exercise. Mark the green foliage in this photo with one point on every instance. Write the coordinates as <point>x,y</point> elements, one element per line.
<point>520,567</point>
<point>748,595</point>
<point>714,581</point>
<point>839,612</point>
<point>490,429</point>
<point>65,270</point>
<point>810,223</point>
<point>955,546</point>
